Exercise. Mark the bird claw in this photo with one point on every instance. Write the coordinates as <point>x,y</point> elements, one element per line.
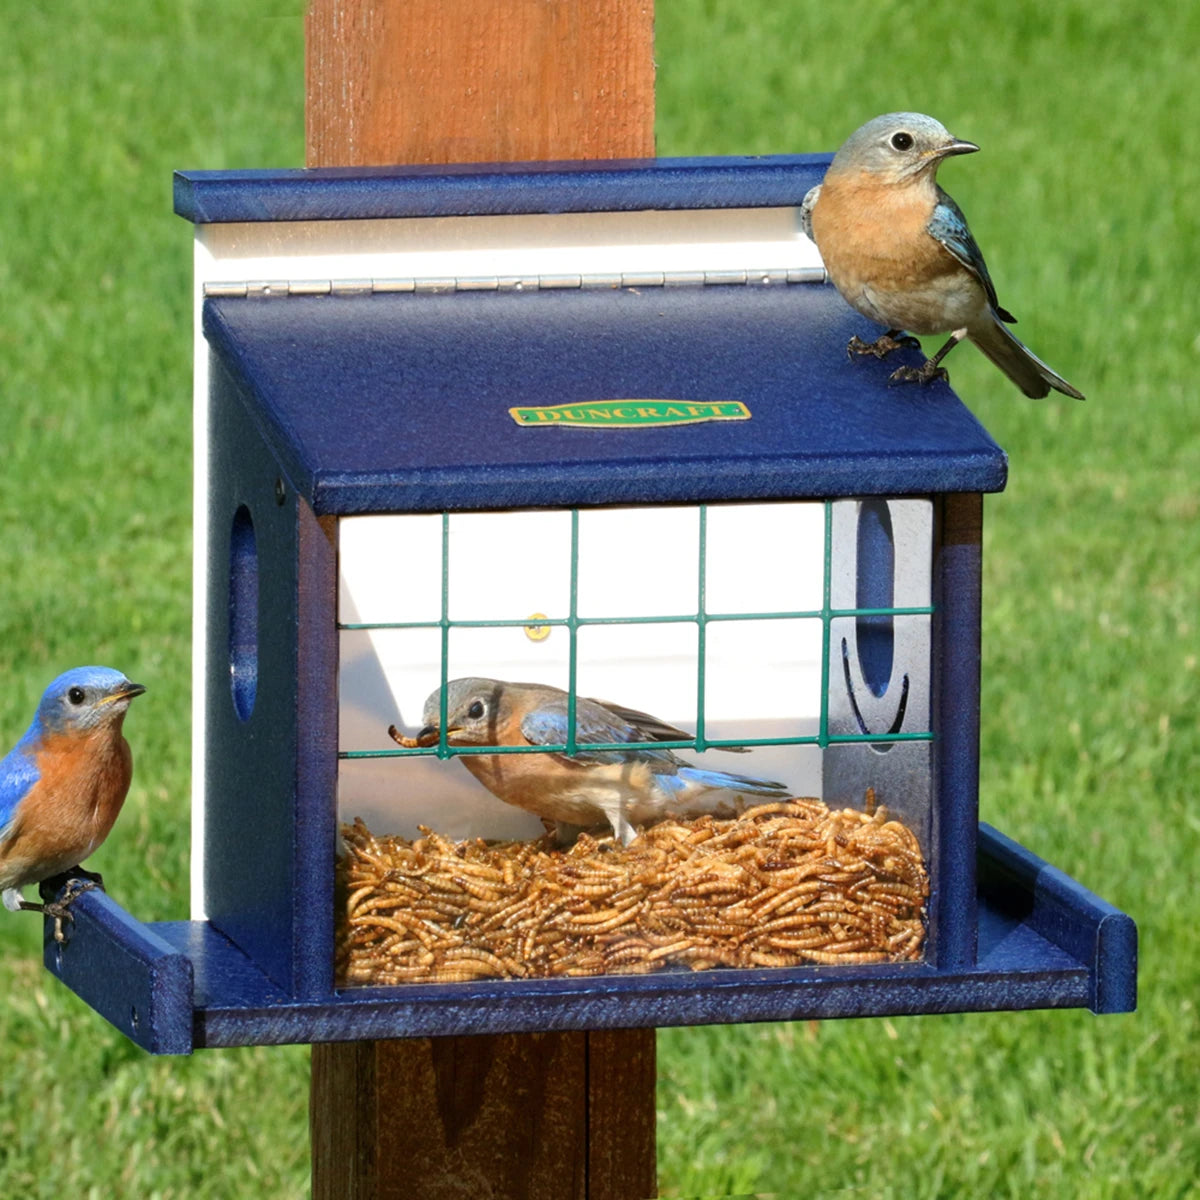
<point>881,347</point>
<point>66,889</point>
<point>926,373</point>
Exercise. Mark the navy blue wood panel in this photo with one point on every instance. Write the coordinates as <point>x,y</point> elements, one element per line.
<point>957,584</point>
<point>1044,942</point>
<point>314,833</point>
<point>127,972</point>
<point>1028,889</point>
<point>252,816</point>
<point>399,402</point>
<point>489,189</point>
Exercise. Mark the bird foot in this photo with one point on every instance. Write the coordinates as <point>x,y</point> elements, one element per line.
<point>926,373</point>
<point>66,889</point>
<point>881,347</point>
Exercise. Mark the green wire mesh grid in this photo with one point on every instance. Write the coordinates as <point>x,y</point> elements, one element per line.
<point>573,622</point>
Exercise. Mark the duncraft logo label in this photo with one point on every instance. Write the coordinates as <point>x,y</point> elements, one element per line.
<point>631,414</point>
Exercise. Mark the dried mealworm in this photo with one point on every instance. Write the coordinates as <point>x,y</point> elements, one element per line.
<point>785,883</point>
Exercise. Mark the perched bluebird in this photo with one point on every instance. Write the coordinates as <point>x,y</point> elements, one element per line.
<point>623,787</point>
<point>899,251</point>
<point>63,784</point>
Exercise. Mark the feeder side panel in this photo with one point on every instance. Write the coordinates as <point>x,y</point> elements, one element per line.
<point>251,690</point>
<point>957,582</point>
<point>317,747</point>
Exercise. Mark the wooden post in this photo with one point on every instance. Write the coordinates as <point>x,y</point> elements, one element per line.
<point>539,1116</point>
<point>556,1116</point>
<point>434,81</point>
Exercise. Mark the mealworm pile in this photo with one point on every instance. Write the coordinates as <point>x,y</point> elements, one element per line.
<point>783,883</point>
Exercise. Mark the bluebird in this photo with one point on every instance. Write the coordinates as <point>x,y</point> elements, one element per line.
<point>623,787</point>
<point>63,784</point>
<point>898,249</point>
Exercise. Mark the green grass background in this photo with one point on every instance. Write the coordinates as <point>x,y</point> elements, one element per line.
<point>1084,200</point>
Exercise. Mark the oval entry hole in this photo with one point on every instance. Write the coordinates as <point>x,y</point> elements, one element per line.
<point>876,572</point>
<point>243,613</point>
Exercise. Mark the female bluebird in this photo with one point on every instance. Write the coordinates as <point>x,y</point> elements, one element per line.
<point>899,251</point>
<point>623,787</point>
<point>63,784</point>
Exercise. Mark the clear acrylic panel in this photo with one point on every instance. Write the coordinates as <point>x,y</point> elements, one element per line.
<point>798,634</point>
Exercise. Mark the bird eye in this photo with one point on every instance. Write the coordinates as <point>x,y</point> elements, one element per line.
<point>476,710</point>
<point>902,141</point>
<point>75,695</point>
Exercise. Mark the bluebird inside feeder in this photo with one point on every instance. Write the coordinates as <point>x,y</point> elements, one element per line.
<point>570,459</point>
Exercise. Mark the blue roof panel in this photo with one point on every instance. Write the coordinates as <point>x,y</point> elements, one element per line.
<point>479,189</point>
<point>399,402</point>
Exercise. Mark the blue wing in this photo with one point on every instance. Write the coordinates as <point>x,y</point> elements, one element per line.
<point>546,725</point>
<point>646,728</point>
<point>18,773</point>
<point>949,226</point>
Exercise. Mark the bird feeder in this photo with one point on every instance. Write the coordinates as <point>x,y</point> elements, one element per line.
<point>591,426</point>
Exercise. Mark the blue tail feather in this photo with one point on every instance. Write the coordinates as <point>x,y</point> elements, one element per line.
<point>734,783</point>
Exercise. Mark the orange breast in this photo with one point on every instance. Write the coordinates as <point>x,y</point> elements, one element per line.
<point>877,233</point>
<point>71,809</point>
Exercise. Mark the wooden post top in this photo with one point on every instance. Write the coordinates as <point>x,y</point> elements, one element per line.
<point>436,81</point>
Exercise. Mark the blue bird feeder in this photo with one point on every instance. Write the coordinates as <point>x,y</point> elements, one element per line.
<point>594,425</point>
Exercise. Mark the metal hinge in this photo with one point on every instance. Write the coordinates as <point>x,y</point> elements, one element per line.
<point>514,283</point>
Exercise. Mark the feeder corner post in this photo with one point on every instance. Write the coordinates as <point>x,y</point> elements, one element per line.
<point>549,1115</point>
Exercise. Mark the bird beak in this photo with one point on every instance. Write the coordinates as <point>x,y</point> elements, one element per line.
<point>954,147</point>
<point>126,691</point>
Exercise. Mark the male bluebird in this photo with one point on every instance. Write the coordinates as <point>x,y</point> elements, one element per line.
<point>899,251</point>
<point>63,784</point>
<point>623,787</point>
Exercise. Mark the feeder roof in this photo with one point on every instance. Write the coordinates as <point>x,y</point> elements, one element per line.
<point>400,402</point>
